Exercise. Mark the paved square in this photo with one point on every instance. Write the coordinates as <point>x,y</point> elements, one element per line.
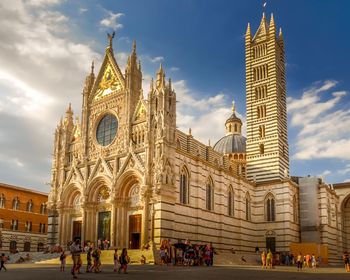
<point>33,271</point>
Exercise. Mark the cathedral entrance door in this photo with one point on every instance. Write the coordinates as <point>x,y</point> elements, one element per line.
<point>134,231</point>
<point>76,230</point>
<point>104,225</point>
<point>271,244</point>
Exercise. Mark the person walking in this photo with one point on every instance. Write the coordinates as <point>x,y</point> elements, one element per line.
<point>89,260</point>
<point>3,260</point>
<point>115,260</point>
<point>75,250</point>
<point>124,260</point>
<point>63,261</point>
<point>346,261</point>
<point>269,258</point>
<point>300,261</point>
<point>263,259</point>
<point>313,261</point>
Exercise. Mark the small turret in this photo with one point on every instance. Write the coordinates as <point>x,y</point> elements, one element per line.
<point>233,124</point>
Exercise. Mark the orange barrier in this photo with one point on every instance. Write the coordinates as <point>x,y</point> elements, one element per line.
<point>310,248</point>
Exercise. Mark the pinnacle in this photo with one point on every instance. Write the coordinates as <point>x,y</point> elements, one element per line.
<point>248,29</point>
<point>272,20</point>
<point>134,46</point>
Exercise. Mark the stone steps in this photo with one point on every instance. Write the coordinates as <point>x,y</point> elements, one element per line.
<point>107,257</point>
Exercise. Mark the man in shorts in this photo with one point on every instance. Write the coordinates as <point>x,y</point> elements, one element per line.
<point>75,250</point>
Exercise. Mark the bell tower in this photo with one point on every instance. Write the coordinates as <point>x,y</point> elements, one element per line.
<point>267,141</point>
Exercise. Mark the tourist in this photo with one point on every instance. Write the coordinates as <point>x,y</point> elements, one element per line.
<point>308,260</point>
<point>263,259</point>
<point>300,261</point>
<point>143,259</point>
<point>162,252</point>
<point>75,250</point>
<point>97,262</point>
<point>124,260</point>
<point>105,244</point>
<point>313,261</point>
<point>207,253</point>
<point>115,260</point>
<point>63,261</point>
<point>89,260</point>
<point>212,252</point>
<point>346,261</point>
<point>3,260</point>
<point>269,259</point>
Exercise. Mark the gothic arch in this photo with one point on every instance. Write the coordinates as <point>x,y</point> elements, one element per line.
<point>126,181</point>
<point>70,193</point>
<point>95,186</point>
<point>209,189</point>
<point>184,185</point>
<point>248,210</point>
<point>230,201</point>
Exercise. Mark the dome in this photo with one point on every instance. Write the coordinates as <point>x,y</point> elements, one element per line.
<point>232,143</point>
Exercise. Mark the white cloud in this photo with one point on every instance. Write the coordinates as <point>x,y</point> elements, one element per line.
<point>347,180</point>
<point>112,21</point>
<point>39,67</point>
<point>39,3</point>
<point>156,59</point>
<point>323,127</point>
<point>83,10</point>
<point>345,170</point>
<point>174,69</point>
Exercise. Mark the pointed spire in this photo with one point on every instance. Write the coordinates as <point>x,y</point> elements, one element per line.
<point>280,33</point>
<point>92,67</point>
<point>69,109</point>
<point>233,106</point>
<point>170,85</point>
<point>139,65</point>
<point>134,46</point>
<point>248,30</point>
<point>160,82</point>
<point>272,21</point>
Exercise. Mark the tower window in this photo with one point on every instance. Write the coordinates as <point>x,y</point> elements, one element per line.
<point>262,131</point>
<point>262,149</point>
<point>270,211</point>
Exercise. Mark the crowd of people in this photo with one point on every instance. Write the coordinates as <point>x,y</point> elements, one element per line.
<point>93,258</point>
<point>186,254</point>
<point>268,260</point>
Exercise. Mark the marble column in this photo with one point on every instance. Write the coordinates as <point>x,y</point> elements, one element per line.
<point>113,223</point>
<point>145,218</point>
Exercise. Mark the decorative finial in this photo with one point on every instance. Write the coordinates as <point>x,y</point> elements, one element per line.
<point>134,46</point>
<point>92,67</point>
<point>189,131</point>
<point>209,142</point>
<point>280,32</point>
<point>272,20</point>
<point>248,29</point>
<point>169,84</point>
<point>233,106</point>
<point>151,84</point>
<point>110,38</point>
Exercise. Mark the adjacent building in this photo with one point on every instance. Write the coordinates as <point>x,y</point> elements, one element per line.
<point>23,219</point>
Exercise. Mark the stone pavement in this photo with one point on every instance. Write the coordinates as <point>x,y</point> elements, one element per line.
<point>138,272</point>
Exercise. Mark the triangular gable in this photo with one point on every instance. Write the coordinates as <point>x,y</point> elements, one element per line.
<point>262,30</point>
<point>74,172</point>
<point>101,167</point>
<point>141,112</point>
<point>109,78</point>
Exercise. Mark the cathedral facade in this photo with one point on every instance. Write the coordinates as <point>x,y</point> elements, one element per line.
<point>126,173</point>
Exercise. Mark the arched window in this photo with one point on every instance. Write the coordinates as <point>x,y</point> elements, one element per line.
<point>270,211</point>
<point>295,209</point>
<point>247,207</point>
<point>15,203</point>
<point>26,247</point>
<point>2,201</point>
<point>184,186</point>
<point>235,127</point>
<point>230,202</point>
<point>30,206</point>
<point>210,195</point>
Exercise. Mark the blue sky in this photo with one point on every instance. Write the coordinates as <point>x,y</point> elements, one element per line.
<point>46,48</point>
